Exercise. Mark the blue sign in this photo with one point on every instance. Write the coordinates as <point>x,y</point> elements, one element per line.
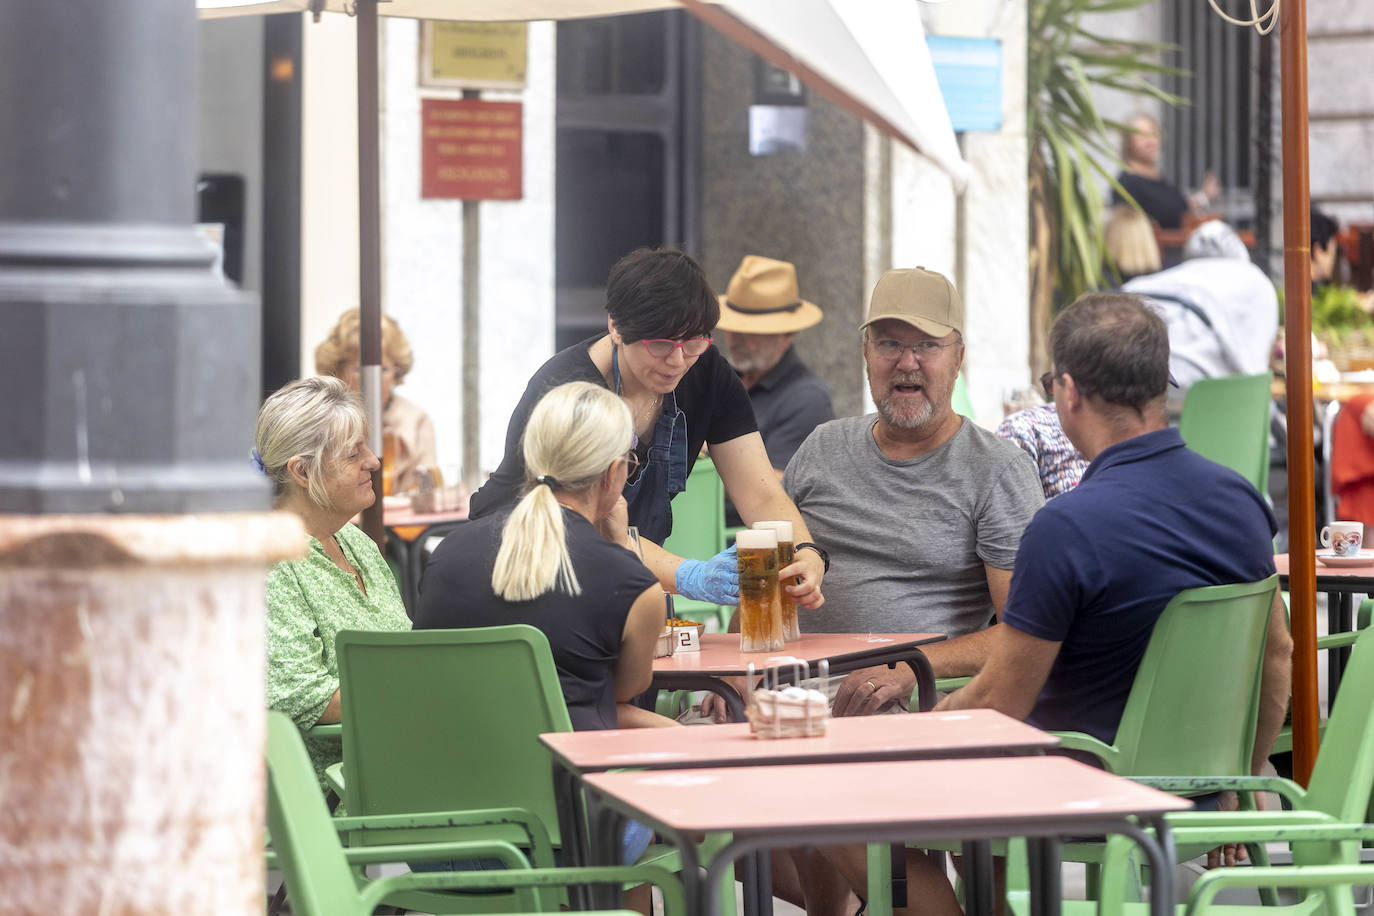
<point>969,71</point>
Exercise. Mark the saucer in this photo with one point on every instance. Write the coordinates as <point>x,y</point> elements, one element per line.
<point>1363,558</point>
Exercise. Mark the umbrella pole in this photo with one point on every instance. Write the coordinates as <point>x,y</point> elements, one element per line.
<point>1297,282</point>
<point>369,252</point>
<point>472,336</point>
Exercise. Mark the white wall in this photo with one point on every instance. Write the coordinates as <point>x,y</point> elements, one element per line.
<point>231,68</point>
<point>422,239</point>
<point>991,243</point>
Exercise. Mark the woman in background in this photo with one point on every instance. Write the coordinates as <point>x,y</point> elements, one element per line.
<point>1141,177</point>
<point>407,431</point>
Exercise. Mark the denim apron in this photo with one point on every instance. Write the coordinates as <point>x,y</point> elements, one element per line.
<point>663,474</point>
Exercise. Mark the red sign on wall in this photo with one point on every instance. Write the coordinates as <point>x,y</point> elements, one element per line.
<point>470,149</point>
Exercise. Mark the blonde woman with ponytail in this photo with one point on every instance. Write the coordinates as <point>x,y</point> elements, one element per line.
<point>559,560</point>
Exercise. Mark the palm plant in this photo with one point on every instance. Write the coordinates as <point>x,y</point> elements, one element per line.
<point>1070,144</point>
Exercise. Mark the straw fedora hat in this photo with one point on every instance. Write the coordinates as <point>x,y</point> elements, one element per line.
<point>762,298</point>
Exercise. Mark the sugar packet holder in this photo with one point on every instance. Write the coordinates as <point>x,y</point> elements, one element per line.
<point>787,712</point>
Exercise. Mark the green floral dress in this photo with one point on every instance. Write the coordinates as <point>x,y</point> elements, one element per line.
<point>308,602</point>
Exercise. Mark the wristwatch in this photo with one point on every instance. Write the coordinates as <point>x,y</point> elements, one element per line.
<point>825,557</point>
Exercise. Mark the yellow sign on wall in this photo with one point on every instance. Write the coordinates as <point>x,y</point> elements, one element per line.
<point>473,55</point>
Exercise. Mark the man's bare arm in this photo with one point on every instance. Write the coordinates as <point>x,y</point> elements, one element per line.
<point>1276,683</point>
<point>1013,676</point>
<point>963,656</point>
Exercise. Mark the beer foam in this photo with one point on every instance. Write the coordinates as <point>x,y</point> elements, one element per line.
<point>784,529</point>
<point>756,539</point>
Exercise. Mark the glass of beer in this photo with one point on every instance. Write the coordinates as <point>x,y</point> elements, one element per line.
<point>791,628</point>
<point>760,615</point>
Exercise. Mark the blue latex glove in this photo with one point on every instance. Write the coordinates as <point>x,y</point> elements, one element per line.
<point>715,581</point>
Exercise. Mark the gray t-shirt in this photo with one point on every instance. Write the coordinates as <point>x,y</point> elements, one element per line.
<point>908,539</point>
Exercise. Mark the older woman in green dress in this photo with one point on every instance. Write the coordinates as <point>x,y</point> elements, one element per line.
<point>311,441</point>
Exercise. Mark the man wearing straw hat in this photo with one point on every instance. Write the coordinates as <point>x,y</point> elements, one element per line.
<point>760,314</point>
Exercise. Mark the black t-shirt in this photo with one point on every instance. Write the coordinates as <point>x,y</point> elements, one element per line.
<point>584,631</point>
<point>710,395</point>
<point>1162,202</point>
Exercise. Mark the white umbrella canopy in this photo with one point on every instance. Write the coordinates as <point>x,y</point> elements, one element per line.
<point>870,58</point>
<point>458,10</point>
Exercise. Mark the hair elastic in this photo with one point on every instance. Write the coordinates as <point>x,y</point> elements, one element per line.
<point>257,462</point>
<point>547,480</point>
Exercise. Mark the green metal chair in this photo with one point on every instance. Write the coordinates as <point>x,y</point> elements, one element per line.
<point>449,720</point>
<point>322,876</point>
<point>1195,699</point>
<point>699,534</point>
<point>1325,826</point>
<point>1227,420</point>
<point>1194,702</point>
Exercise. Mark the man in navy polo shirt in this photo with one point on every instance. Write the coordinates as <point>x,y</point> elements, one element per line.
<point>1098,564</point>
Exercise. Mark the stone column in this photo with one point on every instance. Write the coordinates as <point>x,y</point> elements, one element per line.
<point>131,656</point>
<point>131,691</point>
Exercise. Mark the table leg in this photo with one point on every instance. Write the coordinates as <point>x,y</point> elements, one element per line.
<point>925,680</point>
<point>606,846</point>
<point>672,681</point>
<point>757,870</point>
<point>1338,657</point>
<point>572,829</point>
<point>1046,892</point>
<point>1160,854</point>
<point>978,878</point>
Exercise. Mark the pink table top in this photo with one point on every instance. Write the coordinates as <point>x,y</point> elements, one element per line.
<point>720,654</point>
<point>925,794</point>
<point>1332,574</point>
<point>904,737</point>
<point>403,516</point>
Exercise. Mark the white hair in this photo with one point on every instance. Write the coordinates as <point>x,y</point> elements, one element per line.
<point>315,419</point>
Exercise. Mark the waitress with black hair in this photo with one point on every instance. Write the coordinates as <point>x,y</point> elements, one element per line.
<point>657,354</point>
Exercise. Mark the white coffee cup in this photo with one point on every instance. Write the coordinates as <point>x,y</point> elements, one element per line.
<point>1344,538</point>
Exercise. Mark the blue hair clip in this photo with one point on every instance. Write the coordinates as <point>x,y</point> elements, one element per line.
<point>257,462</point>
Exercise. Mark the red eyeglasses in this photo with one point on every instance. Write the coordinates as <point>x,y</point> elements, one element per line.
<point>692,347</point>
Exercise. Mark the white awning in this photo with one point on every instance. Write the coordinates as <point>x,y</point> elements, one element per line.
<point>870,58</point>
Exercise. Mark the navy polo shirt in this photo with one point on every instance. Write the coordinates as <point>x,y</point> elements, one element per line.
<point>1098,564</point>
<point>789,401</point>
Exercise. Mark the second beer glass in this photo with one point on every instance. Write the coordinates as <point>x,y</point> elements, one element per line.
<point>760,614</point>
<point>791,628</point>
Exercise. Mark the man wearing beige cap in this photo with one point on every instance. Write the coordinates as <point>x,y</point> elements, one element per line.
<point>760,315</point>
<point>921,510</point>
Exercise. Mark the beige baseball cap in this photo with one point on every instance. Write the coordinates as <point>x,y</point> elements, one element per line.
<point>922,298</point>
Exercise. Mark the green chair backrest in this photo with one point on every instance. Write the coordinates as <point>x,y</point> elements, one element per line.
<point>699,514</point>
<point>1343,774</point>
<point>1227,421</point>
<point>447,720</point>
<point>1193,706</point>
<point>308,852</point>
<point>959,400</point>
